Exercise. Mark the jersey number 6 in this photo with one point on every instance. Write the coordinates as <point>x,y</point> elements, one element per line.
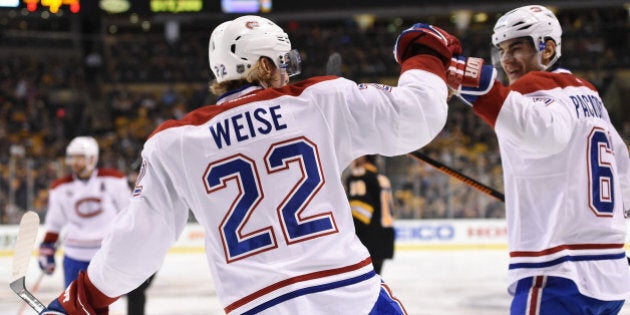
<point>298,152</point>
<point>601,184</point>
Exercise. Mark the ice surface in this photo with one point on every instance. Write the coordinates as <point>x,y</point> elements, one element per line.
<point>429,282</point>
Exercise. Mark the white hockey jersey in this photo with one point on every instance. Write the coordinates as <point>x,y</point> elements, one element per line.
<point>262,173</point>
<point>567,178</point>
<point>86,209</point>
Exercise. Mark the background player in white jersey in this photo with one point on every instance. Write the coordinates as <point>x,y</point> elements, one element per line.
<point>566,172</point>
<point>261,172</point>
<point>84,203</point>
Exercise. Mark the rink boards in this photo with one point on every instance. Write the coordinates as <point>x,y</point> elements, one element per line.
<point>459,234</point>
<point>410,235</point>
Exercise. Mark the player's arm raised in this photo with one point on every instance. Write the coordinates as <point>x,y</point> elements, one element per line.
<point>416,108</point>
<point>475,84</point>
<point>421,96</point>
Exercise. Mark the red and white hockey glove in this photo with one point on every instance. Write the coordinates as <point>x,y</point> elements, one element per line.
<point>81,297</point>
<point>423,38</point>
<point>469,78</point>
<point>47,258</point>
<point>46,253</point>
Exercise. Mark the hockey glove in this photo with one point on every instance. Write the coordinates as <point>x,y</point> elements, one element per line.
<point>47,257</point>
<point>81,297</point>
<point>469,78</point>
<point>54,309</point>
<point>426,39</point>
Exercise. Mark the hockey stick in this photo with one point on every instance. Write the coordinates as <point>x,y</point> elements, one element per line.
<point>451,172</point>
<point>33,290</point>
<point>333,67</point>
<point>22,252</point>
<point>38,282</point>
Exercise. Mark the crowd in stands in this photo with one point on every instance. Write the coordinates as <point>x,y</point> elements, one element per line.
<point>134,83</point>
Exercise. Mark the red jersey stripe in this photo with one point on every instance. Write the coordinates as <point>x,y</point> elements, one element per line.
<point>543,81</point>
<point>556,249</point>
<point>205,113</point>
<point>290,281</point>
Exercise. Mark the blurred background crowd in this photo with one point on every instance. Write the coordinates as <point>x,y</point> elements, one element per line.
<point>118,76</point>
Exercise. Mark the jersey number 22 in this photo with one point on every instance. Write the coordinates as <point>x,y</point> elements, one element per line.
<point>242,171</point>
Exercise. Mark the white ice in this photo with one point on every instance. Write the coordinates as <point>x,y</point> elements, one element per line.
<point>429,282</point>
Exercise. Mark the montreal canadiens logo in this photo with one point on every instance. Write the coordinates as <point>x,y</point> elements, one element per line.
<point>88,207</point>
<point>251,24</point>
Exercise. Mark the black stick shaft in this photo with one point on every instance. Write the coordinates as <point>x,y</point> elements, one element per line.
<point>451,172</point>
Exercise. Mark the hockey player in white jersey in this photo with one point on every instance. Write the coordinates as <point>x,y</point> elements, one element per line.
<point>566,171</point>
<point>261,172</point>
<point>83,204</point>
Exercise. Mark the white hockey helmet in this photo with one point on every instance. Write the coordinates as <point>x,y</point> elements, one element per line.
<point>534,21</point>
<point>86,146</point>
<point>236,45</point>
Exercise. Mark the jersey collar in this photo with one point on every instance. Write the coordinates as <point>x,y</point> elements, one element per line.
<point>245,89</point>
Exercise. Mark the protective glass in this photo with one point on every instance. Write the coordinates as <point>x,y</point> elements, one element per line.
<point>291,62</point>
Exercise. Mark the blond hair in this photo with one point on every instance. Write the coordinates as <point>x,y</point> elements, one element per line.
<point>261,73</point>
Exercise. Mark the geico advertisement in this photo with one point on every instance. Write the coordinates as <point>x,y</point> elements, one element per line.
<point>451,231</point>
<point>412,232</point>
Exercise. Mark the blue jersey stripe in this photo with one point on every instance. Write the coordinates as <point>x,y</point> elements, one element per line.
<point>309,290</point>
<point>565,259</point>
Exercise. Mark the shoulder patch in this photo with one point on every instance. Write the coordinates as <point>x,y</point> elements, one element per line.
<point>546,100</point>
<point>137,189</point>
<point>384,87</point>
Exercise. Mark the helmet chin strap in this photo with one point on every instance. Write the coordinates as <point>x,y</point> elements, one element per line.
<point>552,61</point>
<point>541,48</point>
<point>284,77</point>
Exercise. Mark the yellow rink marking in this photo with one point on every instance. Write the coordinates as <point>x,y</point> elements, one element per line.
<point>399,247</point>
<point>402,247</point>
